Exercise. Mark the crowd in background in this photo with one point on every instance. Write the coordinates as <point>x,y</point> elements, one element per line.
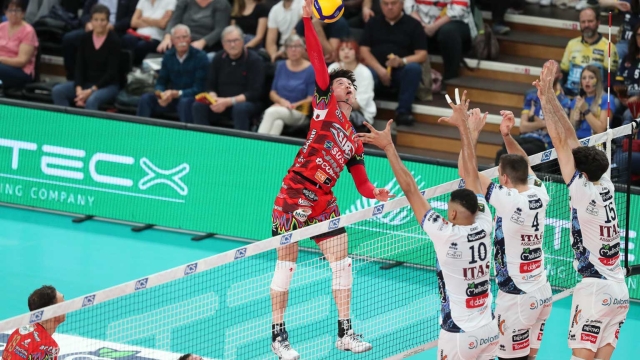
<point>243,63</point>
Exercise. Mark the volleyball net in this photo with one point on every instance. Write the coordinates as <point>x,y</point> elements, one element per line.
<point>220,307</point>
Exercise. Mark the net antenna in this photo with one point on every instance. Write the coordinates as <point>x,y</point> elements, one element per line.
<point>609,134</point>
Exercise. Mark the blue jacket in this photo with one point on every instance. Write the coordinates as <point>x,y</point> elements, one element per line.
<point>189,76</point>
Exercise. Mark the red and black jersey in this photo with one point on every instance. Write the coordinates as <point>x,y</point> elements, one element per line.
<point>331,142</point>
<point>31,342</point>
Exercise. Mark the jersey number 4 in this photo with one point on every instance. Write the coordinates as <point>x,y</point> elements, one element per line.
<point>535,224</point>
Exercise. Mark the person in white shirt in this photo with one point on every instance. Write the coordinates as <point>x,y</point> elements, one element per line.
<point>147,27</point>
<point>601,299</point>
<point>364,108</point>
<point>462,243</point>
<point>520,199</point>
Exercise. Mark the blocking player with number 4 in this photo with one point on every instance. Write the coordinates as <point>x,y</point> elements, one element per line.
<point>462,244</point>
<point>524,297</point>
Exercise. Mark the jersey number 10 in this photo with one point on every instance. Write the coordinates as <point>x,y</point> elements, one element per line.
<point>482,253</point>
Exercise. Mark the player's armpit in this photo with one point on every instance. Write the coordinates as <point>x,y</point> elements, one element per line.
<point>567,163</point>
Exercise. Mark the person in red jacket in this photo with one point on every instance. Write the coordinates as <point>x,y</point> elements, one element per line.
<point>34,341</point>
<point>306,196</point>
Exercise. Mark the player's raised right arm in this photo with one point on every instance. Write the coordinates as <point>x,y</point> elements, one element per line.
<point>314,48</point>
<point>508,120</point>
<point>563,141</point>
<point>382,139</point>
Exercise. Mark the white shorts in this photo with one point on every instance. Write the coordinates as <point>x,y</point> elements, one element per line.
<point>480,343</point>
<point>521,319</point>
<point>599,308</point>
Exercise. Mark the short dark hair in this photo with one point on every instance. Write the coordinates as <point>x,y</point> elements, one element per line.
<point>590,161</point>
<point>596,12</point>
<point>466,198</point>
<point>100,9</point>
<point>515,167</point>
<point>184,357</point>
<point>42,297</point>
<point>22,4</point>
<point>343,73</point>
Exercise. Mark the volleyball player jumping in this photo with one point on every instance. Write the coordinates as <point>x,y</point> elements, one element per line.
<point>306,196</point>
<point>601,299</point>
<point>462,243</point>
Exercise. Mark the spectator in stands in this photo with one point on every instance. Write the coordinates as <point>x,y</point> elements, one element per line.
<point>621,5</point>
<point>38,8</point>
<point>251,17</point>
<point>364,108</point>
<point>589,109</point>
<point>394,46</point>
<point>182,76</point>
<point>18,47</point>
<point>205,18</point>
<point>35,341</point>
<point>330,35</point>
<point>189,357</point>
<point>631,19</point>
<point>533,130</point>
<point>149,21</point>
<point>499,9</point>
<point>281,23</point>
<point>96,79</point>
<point>589,49</point>
<point>369,9</point>
<point>627,81</point>
<point>449,26</point>
<point>235,82</point>
<point>291,90</point>
<point>119,19</point>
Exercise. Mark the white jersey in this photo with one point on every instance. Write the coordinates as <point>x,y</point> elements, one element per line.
<point>594,228</point>
<point>463,269</point>
<point>520,219</point>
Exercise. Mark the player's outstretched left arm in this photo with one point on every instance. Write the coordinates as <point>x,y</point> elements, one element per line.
<point>314,48</point>
<point>508,120</point>
<point>382,139</point>
<point>469,163</point>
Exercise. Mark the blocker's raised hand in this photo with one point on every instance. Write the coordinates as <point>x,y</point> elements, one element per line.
<point>381,139</point>
<point>460,115</point>
<point>477,120</point>
<point>307,8</point>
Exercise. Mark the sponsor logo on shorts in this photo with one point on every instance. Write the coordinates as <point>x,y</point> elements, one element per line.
<point>541,332</point>
<point>520,341</point>
<point>474,342</point>
<point>576,316</point>
<point>592,329</point>
<point>611,301</point>
<point>590,338</point>
<point>501,326</point>
<point>536,303</point>
<point>530,266</point>
<point>477,301</point>
<point>304,202</point>
<point>310,195</point>
<point>302,214</point>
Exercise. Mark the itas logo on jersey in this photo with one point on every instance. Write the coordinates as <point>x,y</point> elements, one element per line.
<point>529,254</point>
<point>531,240</point>
<point>476,272</point>
<point>609,233</point>
<point>609,254</point>
<point>475,236</point>
<point>520,341</point>
<point>342,139</point>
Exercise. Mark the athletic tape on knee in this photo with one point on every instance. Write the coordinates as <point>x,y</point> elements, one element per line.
<point>283,275</point>
<point>342,274</point>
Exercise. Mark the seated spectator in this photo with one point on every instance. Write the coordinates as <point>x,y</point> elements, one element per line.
<point>394,46</point>
<point>119,19</point>
<point>96,79</point>
<point>38,8</point>
<point>534,137</point>
<point>251,17</point>
<point>281,23</point>
<point>369,9</point>
<point>449,26</point>
<point>182,76</point>
<point>589,110</point>
<point>590,49</point>
<point>149,21</point>
<point>235,83</point>
<point>291,90</point>
<point>18,46</point>
<point>627,81</point>
<point>364,108</point>
<point>205,18</point>
<point>35,341</point>
<point>330,35</point>
<point>625,32</point>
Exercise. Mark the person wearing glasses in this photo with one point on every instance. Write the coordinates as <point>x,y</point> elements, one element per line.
<point>18,46</point>
<point>235,83</point>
